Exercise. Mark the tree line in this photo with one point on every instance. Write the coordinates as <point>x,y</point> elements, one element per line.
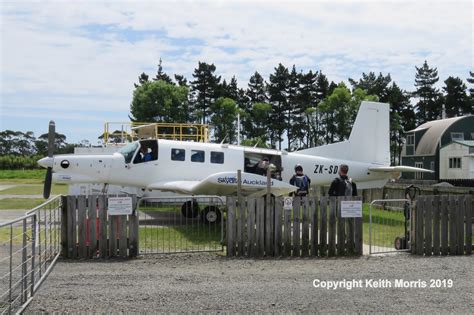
<point>303,109</point>
<point>21,150</point>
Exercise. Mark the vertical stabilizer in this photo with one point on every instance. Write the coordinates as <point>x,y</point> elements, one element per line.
<point>369,140</point>
<point>370,136</point>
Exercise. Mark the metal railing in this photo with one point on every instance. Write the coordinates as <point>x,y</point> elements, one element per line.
<point>389,225</point>
<point>181,224</point>
<point>29,248</point>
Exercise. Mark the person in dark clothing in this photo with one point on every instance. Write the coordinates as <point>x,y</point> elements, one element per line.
<point>300,180</point>
<point>343,185</point>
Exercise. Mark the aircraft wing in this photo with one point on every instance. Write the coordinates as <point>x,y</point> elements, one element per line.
<point>225,183</point>
<point>397,169</point>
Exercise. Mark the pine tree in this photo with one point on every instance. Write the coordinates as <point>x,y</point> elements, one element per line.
<point>429,106</point>
<point>181,80</point>
<point>277,91</point>
<point>160,75</point>
<point>373,85</point>
<point>402,119</point>
<point>141,79</point>
<point>456,100</point>
<point>471,80</point>
<point>256,91</point>
<point>308,98</point>
<point>294,113</point>
<point>205,87</point>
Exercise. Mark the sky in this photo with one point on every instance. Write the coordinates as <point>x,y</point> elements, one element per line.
<point>75,62</point>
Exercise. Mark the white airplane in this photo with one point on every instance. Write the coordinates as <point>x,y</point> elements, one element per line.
<point>195,168</point>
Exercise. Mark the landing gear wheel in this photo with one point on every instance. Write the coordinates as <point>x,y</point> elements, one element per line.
<point>211,215</point>
<point>190,209</point>
<point>400,243</point>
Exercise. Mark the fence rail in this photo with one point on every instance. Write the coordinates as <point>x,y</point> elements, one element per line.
<point>29,248</point>
<point>88,231</point>
<point>312,227</point>
<point>443,225</point>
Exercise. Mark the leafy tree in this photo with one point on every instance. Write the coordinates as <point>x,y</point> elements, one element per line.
<point>161,76</point>
<point>60,144</point>
<point>159,101</point>
<point>205,88</point>
<point>456,100</point>
<point>277,90</point>
<point>429,105</point>
<point>339,111</point>
<point>261,113</point>
<point>17,143</point>
<point>225,114</point>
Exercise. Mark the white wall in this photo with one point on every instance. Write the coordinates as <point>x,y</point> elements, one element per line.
<point>467,163</point>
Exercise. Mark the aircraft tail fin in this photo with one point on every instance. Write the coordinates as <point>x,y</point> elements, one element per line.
<point>369,140</point>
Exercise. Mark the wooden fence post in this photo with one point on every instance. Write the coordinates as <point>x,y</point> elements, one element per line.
<point>314,227</point>
<point>230,226</point>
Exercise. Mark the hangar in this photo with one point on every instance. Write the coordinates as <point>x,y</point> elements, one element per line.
<point>423,144</point>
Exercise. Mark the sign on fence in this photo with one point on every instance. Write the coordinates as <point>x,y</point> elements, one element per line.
<point>120,205</point>
<point>351,209</point>
<point>288,203</point>
<point>314,227</point>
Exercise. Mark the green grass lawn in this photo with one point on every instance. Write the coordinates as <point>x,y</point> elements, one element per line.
<point>22,176</point>
<point>56,189</point>
<point>386,226</point>
<point>175,238</point>
<point>20,203</point>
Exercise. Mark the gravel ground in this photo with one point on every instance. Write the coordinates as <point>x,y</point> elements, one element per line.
<point>210,283</point>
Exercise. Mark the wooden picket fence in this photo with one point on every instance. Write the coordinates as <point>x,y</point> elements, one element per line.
<point>313,227</point>
<point>442,225</point>
<point>87,231</point>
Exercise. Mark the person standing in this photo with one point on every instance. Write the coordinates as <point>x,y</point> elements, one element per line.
<point>343,185</point>
<point>300,180</point>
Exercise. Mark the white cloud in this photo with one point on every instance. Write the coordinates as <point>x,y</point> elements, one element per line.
<point>52,55</point>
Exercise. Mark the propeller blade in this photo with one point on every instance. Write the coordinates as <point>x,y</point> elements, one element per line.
<point>47,183</point>
<point>51,134</point>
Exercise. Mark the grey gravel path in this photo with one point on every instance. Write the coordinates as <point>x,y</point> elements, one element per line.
<point>210,284</point>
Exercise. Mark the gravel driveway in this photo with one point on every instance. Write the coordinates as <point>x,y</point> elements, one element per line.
<point>209,283</point>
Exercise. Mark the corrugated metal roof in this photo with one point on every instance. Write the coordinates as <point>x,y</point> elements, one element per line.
<point>430,140</point>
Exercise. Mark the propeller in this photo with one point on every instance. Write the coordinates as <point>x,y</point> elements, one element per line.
<point>49,171</point>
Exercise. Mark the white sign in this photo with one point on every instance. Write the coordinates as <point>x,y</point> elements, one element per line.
<point>351,209</point>
<point>120,205</point>
<point>287,203</point>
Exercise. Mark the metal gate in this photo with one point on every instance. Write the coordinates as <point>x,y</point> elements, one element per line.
<point>29,248</point>
<point>181,224</point>
<point>389,225</point>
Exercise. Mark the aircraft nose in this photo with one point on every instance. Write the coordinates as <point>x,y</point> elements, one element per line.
<point>46,162</point>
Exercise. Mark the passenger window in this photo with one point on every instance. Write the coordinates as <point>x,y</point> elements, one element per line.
<point>178,154</point>
<point>217,157</point>
<point>197,156</point>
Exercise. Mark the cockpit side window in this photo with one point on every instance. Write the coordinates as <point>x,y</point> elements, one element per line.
<point>128,151</point>
<point>148,152</point>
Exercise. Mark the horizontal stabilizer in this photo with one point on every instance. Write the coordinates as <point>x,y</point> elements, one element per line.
<point>401,168</point>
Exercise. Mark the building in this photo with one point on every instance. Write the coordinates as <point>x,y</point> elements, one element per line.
<point>422,147</point>
<point>456,160</point>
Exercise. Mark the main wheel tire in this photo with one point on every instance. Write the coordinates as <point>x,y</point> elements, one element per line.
<point>190,209</point>
<point>400,243</point>
<point>211,215</point>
